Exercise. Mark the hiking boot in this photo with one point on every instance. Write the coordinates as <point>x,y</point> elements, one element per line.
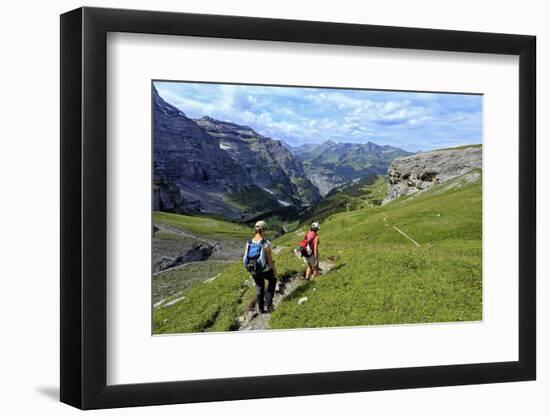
<point>269,309</point>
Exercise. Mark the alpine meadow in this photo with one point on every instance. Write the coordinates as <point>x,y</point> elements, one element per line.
<point>365,207</point>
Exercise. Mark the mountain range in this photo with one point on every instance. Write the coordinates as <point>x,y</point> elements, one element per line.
<point>215,167</point>
<point>208,166</point>
<point>330,164</point>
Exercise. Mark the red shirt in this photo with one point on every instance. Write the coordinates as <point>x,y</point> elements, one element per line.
<point>312,237</point>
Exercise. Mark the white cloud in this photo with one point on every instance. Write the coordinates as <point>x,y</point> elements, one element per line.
<point>313,115</point>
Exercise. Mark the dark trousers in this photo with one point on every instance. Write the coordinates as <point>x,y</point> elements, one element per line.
<point>264,297</point>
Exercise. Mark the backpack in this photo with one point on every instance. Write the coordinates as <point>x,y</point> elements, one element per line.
<point>306,245</point>
<point>254,259</point>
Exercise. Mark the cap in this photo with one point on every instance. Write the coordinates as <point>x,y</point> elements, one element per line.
<point>315,226</point>
<point>261,225</point>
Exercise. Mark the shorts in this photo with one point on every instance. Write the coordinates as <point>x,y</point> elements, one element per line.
<point>310,260</point>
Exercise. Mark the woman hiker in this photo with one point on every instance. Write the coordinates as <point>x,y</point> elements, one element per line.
<point>258,260</point>
<point>312,239</point>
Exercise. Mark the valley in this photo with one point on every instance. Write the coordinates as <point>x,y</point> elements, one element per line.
<point>332,164</point>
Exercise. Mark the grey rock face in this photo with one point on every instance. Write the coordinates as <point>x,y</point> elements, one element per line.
<point>410,174</point>
<point>270,164</point>
<point>208,166</point>
<point>167,197</point>
<point>189,165</point>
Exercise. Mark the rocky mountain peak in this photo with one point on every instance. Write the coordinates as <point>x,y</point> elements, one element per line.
<point>164,107</point>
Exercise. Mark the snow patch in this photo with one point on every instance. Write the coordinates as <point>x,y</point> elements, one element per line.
<point>283,203</point>
<point>224,147</point>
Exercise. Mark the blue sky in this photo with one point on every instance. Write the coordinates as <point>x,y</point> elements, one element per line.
<point>412,121</point>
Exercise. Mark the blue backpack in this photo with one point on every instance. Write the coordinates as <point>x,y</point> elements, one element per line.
<point>254,257</point>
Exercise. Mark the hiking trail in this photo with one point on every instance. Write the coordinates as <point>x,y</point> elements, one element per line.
<point>286,285</point>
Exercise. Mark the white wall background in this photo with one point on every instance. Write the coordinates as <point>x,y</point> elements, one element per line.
<point>29,173</point>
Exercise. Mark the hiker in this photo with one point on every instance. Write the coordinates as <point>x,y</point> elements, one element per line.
<point>258,260</point>
<point>310,250</point>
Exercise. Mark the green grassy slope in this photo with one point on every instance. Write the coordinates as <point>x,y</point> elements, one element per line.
<point>173,281</point>
<point>379,277</point>
<point>383,278</point>
<point>201,226</point>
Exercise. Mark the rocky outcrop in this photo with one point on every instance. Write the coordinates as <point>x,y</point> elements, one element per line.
<point>329,165</point>
<point>198,252</point>
<point>167,197</point>
<point>411,174</point>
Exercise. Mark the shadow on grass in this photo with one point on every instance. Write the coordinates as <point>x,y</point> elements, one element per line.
<point>301,290</point>
<point>288,275</point>
<point>307,285</point>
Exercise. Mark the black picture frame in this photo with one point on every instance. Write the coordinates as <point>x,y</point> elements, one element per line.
<point>84,207</point>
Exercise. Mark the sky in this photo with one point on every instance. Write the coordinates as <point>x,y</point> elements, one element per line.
<point>409,120</point>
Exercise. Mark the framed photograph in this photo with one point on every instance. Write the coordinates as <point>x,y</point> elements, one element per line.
<point>257,208</point>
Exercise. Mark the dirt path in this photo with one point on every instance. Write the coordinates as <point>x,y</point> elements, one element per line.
<point>286,285</point>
